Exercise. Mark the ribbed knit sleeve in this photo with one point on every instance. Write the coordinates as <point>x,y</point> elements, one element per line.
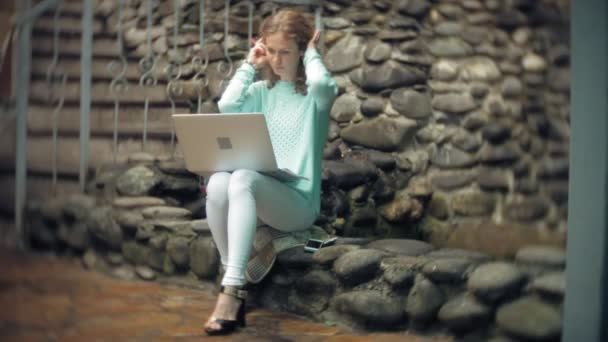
<point>321,86</point>
<point>242,95</point>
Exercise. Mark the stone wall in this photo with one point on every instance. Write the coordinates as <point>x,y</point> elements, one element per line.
<point>144,221</point>
<point>451,127</point>
<point>451,114</point>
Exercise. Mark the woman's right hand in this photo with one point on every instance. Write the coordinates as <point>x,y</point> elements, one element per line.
<point>257,55</point>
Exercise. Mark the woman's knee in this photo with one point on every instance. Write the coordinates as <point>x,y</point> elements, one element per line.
<point>217,187</point>
<point>242,180</point>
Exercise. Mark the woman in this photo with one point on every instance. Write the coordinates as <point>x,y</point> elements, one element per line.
<point>296,96</point>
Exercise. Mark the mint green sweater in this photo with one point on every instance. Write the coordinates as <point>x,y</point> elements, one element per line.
<point>298,125</point>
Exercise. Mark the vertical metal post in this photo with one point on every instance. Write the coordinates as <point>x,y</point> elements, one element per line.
<point>585,312</point>
<point>319,26</point>
<point>22,62</point>
<point>85,89</point>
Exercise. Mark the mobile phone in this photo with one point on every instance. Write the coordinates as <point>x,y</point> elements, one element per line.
<point>312,245</point>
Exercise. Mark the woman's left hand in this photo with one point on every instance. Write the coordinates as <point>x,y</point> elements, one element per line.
<point>315,38</point>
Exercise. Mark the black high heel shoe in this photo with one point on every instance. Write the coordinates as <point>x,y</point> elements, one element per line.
<point>228,326</point>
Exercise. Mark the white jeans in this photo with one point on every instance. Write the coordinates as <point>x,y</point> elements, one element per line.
<point>235,201</point>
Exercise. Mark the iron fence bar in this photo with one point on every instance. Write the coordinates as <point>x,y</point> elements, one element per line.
<point>34,12</point>
<point>299,2</point>
<point>147,79</point>
<point>201,24</point>
<point>174,73</point>
<point>55,74</point>
<point>24,34</point>
<point>220,67</point>
<point>251,7</point>
<point>86,61</point>
<point>119,83</point>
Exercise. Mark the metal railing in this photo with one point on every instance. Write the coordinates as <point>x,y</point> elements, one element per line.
<point>56,79</point>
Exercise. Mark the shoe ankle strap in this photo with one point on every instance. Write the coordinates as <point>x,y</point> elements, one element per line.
<point>234,292</point>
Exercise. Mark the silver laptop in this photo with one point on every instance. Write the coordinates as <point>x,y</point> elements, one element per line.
<point>227,142</point>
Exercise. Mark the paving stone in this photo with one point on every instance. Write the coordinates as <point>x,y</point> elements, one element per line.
<point>67,303</point>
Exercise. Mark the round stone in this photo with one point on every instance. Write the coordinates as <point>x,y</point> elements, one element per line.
<point>450,180</point>
<point>357,266</point>
<point>530,318</point>
<point>506,153</point>
<point>453,158</point>
<point>402,246</point>
<point>345,107</point>
<point>411,103</point>
<point>458,253</point>
<point>377,52</point>
<point>136,202</point>
<point>552,284</point>
<point>346,54</point>
<point>372,106</point>
<point>493,180</point>
<point>542,255</point>
<point>204,258</point>
<point>526,210</point>
<point>449,28</point>
<point>145,273</point>
<point>450,270</point>
<point>464,312</point>
<point>454,103</point>
<point>450,47</point>
<point>482,69</point>
<point>328,255</point>
<point>444,70</point>
<point>137,181</point>
<point>473,204</point>
<point>164,212</point>
<point>511,87</point>
<point>423,300</point>
<point>496,132</point>
<point>370,307</point>
<point>533,63</point>
<point>466,141</point>
<point>495,280</point>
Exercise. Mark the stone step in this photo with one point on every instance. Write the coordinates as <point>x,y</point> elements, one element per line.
<point>128,202</point>
<point>71,46</point>
<point>106,69</point>
<point>99,70</point>
<point>101,94</point>
<point>40,153</point>
<point>130,120</point>
<point>67,25</point>
<point>39,188</point>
